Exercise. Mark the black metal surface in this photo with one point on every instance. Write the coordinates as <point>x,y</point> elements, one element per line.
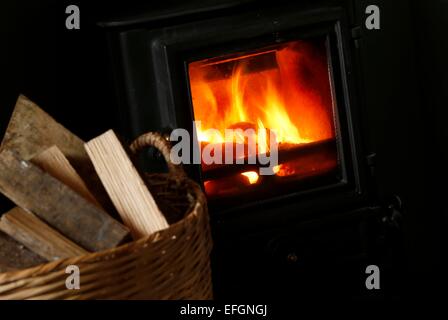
<point>173,13</point>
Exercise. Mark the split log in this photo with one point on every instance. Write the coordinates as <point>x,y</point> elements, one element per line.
<point>37,236</point>
<point>56,164</point>
<point>62,208</point>
<point>15,256</point>
<point>31,131</point>
<point>125,186</point>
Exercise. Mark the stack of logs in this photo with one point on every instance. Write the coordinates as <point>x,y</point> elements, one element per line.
<point>67,193</point>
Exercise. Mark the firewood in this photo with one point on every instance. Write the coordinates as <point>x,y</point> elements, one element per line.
<point>125,186</point>
<point>15,256</point>
<point>285,153</point>
<point>31,131</point>
<point>62,208</point>
<point>56,164</point>
<point>37,236</point>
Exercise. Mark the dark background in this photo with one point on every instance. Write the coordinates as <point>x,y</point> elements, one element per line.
<point>405,83</point>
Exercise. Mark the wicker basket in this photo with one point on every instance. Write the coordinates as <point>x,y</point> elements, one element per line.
<point>171,264</point>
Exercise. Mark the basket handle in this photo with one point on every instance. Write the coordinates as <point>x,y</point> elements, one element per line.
<point>158,141</point>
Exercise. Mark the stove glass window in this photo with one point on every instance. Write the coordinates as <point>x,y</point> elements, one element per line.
<point>247,106</point>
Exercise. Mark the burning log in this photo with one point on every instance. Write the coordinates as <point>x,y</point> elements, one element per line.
<point>286,153</point>
<point>227,185</point>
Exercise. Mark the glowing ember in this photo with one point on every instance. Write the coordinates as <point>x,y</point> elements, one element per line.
<point>252,176</point>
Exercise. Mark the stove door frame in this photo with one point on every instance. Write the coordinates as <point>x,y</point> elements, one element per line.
<point>162,55</point>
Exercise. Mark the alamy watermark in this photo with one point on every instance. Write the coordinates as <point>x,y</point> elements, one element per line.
<point>373,18</point>
<point>73,281</point>
<point>238,147</point>
<point>73,20</point>
<point>373,280</point>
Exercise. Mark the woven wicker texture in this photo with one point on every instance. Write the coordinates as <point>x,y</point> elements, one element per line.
<point>171,264</point>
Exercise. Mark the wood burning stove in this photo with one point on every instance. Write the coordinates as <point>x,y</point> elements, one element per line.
<point>289,69</point>
<point>285,70</point>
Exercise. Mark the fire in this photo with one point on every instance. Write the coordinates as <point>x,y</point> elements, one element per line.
<point>255,99</point>
<point>285,90</point>
<point>252,176</point>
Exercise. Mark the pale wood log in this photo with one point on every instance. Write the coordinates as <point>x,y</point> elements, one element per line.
<point>125,186</point>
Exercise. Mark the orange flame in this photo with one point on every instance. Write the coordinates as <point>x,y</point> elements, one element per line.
<point>287,92</point>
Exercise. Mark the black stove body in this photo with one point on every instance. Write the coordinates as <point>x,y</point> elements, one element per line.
<point>312,240</point>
